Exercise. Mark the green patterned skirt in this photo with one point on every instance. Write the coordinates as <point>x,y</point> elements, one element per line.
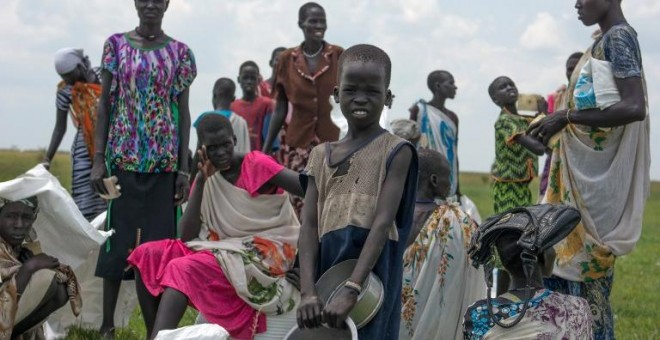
<point>509,195</point>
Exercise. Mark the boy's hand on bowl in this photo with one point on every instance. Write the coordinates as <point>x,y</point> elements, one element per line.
<point>309,312</point>
<point>336,312</point>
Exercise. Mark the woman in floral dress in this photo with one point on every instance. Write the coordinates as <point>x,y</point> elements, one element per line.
<point>142,136</point>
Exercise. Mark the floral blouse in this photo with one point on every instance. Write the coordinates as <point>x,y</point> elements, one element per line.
<point>143,133</point>
<point>550,316</point>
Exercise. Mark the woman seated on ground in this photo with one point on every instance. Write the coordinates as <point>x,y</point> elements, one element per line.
<point>32,286</point>
<point>239,237</point>
<point>551,315</point>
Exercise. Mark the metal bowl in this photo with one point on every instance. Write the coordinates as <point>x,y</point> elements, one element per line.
<point>368,302</point>
<point>324,333</point>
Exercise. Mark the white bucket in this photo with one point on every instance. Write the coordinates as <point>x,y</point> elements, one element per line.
<point>277,325</point>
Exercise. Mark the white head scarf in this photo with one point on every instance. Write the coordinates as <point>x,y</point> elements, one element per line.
<point>67,59</point>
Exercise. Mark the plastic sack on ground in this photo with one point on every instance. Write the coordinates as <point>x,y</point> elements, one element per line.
<point>205,331</point>
<point>277,326</point>
<point>60,227</point>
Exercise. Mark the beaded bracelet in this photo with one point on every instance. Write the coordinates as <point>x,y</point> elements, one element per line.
<point>354,286</point>
<point>183,173</point>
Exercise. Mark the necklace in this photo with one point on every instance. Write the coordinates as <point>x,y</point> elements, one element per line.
<point>313,55</point>
<point>149,37</point>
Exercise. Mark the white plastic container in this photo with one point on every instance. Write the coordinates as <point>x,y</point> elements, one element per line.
<point>277,325</point>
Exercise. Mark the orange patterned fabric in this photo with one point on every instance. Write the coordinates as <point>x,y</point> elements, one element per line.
<point>84,100</point>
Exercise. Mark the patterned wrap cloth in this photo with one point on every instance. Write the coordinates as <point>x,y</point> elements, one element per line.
<point>590,165</point>
<point>550,316</point>
<point>440,133</point>
<point>514,165</point>
<point>439,283</point>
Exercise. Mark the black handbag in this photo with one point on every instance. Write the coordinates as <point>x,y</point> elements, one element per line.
<point>540,227</point>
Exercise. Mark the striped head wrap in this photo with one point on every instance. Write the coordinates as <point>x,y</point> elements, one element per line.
<point>31,202</point>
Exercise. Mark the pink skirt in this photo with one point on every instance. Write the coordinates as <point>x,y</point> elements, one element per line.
<point>170,263</point>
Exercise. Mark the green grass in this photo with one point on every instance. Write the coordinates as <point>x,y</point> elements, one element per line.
<point>134,331</point>
<point>635,296</point>
<point>14,163</point>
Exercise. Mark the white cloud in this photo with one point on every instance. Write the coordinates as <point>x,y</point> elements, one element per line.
<point>455,26</point>
<point>420,36</point>
<point>642,8</point>
<point>414,10</point>
<point>543,33</point>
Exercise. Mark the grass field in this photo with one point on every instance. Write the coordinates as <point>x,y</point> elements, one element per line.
<point>636,290</point>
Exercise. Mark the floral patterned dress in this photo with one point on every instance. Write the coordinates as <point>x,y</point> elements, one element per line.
<point>142,148</point>
<point>439,283</point>
<point>143,135</point>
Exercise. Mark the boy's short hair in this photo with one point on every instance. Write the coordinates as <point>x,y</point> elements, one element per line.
<point>224,88</point>
<point>491,87</point>
<point>432,162</point>
<point>367,53</point>
<point>248,64</point>
<point>435,77</point>
<point>212,122</point>
<point>302,12</point>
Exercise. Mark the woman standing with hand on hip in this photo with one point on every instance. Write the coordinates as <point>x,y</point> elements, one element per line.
<point>142,138</point>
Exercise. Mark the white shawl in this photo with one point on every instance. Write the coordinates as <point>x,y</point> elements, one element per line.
<point>238,219</point>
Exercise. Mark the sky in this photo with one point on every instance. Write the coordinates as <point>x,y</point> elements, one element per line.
<point>476,40</point>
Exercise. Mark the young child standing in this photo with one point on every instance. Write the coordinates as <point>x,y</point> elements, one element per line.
<point>516,154</point>
<point>438,124</point>
<point>359,200</point>
<point>439,283</point>
<point>516,157</point>
<point>224,94</point>
<point>254,108</point>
